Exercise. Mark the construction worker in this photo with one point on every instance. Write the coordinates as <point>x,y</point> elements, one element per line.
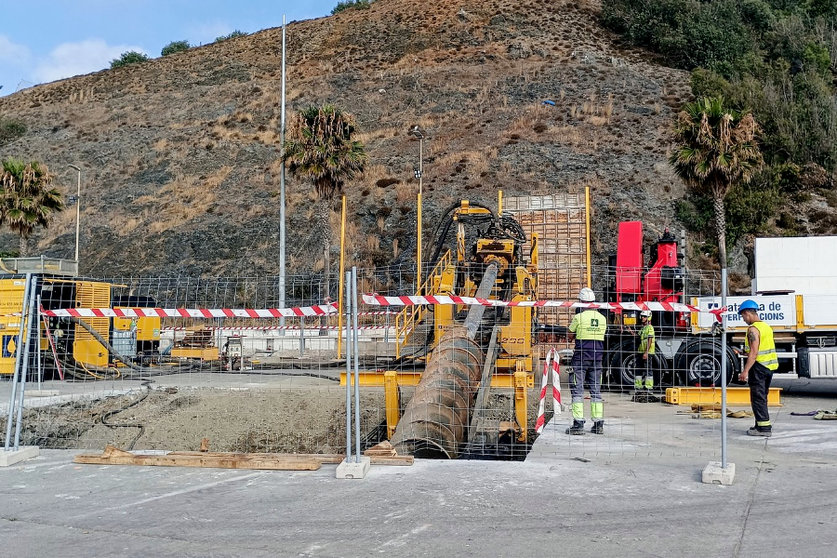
<point>643,373</point>
<point>588,331</point>
<point>761,362</point>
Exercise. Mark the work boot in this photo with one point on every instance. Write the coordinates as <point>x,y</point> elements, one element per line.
<point>598,427</point>
<point>756,431</point>
<point>577,429</point>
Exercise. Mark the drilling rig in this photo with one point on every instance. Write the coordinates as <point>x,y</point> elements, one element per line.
<point>466,349</point>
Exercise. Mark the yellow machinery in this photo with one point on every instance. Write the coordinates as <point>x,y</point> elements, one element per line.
<point>11,306</point>
<point>466,348</point>
<point>79,345</point>
<point>198,343</point>
<point>459,271</point>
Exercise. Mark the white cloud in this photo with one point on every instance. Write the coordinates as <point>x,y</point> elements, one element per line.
<point>12,53</point>
<point>72,59</point>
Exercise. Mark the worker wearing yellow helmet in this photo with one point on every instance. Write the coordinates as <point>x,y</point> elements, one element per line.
<point>588,331</point>
<point>761,362</point>
<point>643,373</point>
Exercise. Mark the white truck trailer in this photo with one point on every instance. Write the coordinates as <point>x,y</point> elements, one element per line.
<point>795,284</point>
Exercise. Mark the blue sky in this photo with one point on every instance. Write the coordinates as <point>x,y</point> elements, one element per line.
<point>46,40</point>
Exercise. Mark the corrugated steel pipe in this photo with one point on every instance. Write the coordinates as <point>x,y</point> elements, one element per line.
<point>436,418</point>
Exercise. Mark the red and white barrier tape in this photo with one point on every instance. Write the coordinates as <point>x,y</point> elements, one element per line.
<point>378,300</point>
<point>320,310</point>
<point>268,328</point>
<point>381,313</point>
<point>550,367</point>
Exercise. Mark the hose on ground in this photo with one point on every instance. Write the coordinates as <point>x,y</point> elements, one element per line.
<point>146,383</point>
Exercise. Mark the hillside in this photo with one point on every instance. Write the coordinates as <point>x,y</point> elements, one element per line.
<point>179,154</point>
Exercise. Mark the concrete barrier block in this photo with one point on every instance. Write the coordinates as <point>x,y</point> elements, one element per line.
<point>353,470</point>
<point>713,473</point>
<point>23,453</point>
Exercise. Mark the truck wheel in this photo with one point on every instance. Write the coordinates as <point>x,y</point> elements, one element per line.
<point>622,366</point>
<point>699,364</point>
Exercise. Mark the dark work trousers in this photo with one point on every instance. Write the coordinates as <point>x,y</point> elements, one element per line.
<point>759,381</point>
<point>643,372</point>
<point>587,369</point>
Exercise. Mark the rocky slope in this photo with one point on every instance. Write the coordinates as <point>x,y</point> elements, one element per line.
<point>180,154</point>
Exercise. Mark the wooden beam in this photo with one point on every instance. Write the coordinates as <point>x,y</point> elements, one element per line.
<point>230,460</point>
<point>271,462</point>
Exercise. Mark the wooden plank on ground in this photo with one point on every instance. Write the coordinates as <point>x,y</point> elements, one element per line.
<point>270,462</point>
<point>231,460</point>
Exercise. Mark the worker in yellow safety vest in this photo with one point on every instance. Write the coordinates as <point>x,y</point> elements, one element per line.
<point>587,329</point>
<point>643,373</point>
<point>761,362</point>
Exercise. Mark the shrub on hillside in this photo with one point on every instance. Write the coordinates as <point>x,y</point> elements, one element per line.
<point>175,46</point>
<point>10,130</point>
<point>127,58</point>
<point>351,4</point>
<point>232,35</point>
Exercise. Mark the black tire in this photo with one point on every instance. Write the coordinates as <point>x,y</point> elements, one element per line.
<point>698,363</point>
<point>621,366</point>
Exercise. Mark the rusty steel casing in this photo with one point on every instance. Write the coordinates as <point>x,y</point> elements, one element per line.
<point>435,420</point>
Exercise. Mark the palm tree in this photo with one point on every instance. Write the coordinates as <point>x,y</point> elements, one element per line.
<point>27,198</point>
<point>716,148</point>
<point>320,149</point>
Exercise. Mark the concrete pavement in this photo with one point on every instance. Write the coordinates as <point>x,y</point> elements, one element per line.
<point>635,491</point>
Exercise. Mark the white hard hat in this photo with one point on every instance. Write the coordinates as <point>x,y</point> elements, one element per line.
<point>586,295</point>
<point>645,313</point>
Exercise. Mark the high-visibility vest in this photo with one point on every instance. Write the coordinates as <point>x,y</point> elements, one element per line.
<point>589,325</point>
<point>646,336</point>
<point>767,347</point>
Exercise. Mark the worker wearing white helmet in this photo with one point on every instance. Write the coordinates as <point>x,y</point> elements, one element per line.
<point>643,373</point>
<point>588,331</point>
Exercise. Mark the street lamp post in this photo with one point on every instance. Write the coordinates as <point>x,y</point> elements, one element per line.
<point>78,208</point>
<point>418,132</point>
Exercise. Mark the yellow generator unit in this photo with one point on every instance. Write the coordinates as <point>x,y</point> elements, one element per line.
<point>86,348</point>
<point>94,342</point>
<point>11,307</point>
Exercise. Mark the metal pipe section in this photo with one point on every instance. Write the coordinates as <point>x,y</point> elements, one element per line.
<point>348,366</point>
<point>436,419</point>
<point>356,354</point>
<point>475,313</point>
<point>724,368</point>
<point>18,355</point>
<point>27,351</point>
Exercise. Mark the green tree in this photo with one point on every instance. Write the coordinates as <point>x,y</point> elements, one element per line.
<point>716,149</point>
<point>320,149</point>
<point>232,35</point>
<point>349,4</point>
<point>127,58</point>
<point>174,47</point>
<point>28,198</point>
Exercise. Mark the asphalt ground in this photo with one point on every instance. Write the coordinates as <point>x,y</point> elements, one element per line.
<point>635,491</point>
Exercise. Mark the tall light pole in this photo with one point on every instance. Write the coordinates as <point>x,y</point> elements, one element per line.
<point>418,132</point>
<point>78,208</point>
<point>282,187</point>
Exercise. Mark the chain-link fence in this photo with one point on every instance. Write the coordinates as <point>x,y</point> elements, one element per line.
<point>273,384</point>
